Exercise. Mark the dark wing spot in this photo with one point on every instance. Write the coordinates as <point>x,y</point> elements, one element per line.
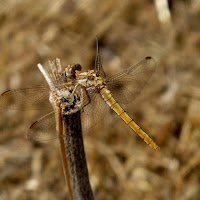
<point>34,124</point>
<point>6,92</point>
<point>148,57</point>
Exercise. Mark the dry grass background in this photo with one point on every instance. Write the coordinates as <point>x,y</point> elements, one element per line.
<point>121,165</point>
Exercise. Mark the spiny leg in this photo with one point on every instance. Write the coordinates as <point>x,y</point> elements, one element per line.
<point>74,90</point>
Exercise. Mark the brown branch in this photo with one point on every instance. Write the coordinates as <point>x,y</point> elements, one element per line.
<point>59,123</point>
<point>70,138</point>
<point>76,159</point>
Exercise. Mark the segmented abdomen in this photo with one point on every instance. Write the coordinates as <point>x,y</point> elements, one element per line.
<point>107,96</point>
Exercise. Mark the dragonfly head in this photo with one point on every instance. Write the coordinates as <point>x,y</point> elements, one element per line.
<point>72,69</point>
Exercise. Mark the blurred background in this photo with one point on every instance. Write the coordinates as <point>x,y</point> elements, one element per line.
<point>121,165</point>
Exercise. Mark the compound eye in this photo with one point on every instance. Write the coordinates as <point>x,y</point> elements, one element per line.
<point>77,67</point>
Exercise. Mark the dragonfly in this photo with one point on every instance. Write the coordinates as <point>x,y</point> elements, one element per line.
<point>91,92</point>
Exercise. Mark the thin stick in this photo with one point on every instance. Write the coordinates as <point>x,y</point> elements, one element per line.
<point>63,153</point>
<point>77,165</point>
<point>46,76</point>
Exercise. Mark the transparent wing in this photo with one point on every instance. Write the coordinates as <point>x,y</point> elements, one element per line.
<point>126,85</point>
<point>98,66</point>
<point>26,99</point>
<point>94,111</point>
<point>43,130</point>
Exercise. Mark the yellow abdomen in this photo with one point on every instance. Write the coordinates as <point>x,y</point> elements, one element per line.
<point>107,96</point>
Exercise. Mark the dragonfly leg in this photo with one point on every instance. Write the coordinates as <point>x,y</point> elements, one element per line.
<point>75,88</point>
<point>68,84</point>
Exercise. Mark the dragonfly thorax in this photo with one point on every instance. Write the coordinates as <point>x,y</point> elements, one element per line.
<point>90,78</point>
